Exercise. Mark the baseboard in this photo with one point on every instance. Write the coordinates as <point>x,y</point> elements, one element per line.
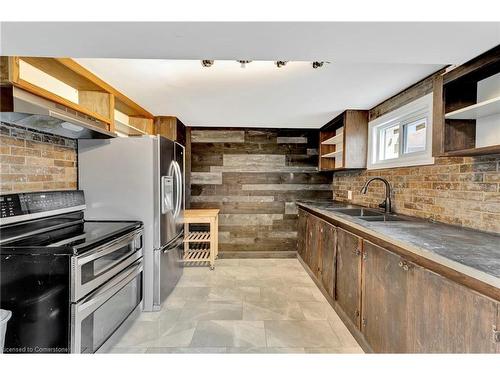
<point>257,254</point>
<point>358,336</point>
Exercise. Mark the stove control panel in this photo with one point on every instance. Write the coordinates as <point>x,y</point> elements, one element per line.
<point>41,204</point>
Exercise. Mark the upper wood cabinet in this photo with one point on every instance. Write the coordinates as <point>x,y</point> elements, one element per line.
<point>344,142</point>
<point>63,81</point>
<point>170,127</point>
<point>466,116</point>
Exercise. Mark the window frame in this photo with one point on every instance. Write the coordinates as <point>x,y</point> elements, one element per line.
<point>405,115</point>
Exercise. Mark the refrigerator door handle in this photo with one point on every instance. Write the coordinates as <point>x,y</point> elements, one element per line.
<point>178,175</point>
<point>174,243</point>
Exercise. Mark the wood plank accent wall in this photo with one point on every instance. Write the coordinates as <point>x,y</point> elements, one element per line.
<point>462,191</point>
<point>254,176</point>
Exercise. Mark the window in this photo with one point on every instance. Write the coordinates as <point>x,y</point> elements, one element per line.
<point>390,142</point>
<point>402,137</point>
<point>414,136</point>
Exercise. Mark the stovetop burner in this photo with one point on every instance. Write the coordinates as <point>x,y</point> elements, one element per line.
<point>37,225</point>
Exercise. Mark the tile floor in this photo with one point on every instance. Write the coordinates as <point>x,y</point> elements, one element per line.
<point>243,306</point>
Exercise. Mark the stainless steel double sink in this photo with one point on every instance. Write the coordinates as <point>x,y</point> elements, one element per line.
<point>367,214</point>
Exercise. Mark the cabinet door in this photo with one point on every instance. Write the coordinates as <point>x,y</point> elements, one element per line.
<point>348,283</point>
<point>314,245</point>
<point>302,234</point>
<point>384,305</point>
<point>446,317</point>
<point>328,233</point>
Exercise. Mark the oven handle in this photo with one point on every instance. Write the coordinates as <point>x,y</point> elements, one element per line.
<point>101,295</point>
<point>107,248</point>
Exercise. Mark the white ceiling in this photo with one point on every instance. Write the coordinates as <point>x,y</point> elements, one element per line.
<point>260,95</point>
<point>370,62</point>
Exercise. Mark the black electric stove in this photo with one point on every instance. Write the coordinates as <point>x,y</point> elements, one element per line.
<point>55,265</point>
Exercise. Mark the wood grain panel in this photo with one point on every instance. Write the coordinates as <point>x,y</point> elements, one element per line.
<point>384,306</point>
<point>263,173</point>
<point>447,317</point>
<point>348,283</point>
<point>328,235</point>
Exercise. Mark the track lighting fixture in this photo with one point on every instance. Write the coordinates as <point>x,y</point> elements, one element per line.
<point>317,64</point>
<point>280,64</point>
<point>244,62</point>
<point>207,63</point>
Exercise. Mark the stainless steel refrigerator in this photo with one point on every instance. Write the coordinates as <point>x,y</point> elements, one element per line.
<point>140,178</point>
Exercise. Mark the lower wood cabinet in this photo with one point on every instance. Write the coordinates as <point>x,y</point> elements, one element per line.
<point>410,309</point>
<point>328,237</point>
<point>348,277</point>
<point>302,234</point>
<point>384,300</point>
<point>446,317</point>
<point>313,246</point>
<point>396,305</point>
<point>317,248</point>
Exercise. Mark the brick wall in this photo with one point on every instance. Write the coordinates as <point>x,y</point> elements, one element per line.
<point>457,190</point>
<point>463,191</point>
<point>33,161</point>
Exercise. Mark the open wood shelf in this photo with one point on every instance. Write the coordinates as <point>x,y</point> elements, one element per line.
<point>335,154</point>
<point>201,245</point>
<point>197,256</point>
<point>64,81</point>
<point>128,129</point>
<point>463,98</point>
<point>198,237</point>
<point>335,140</point>
<point>475,151</point>
<point>343,142</point>
<point>476,111</point>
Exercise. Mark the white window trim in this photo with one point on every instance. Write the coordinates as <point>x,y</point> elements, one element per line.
<point>417,107</point>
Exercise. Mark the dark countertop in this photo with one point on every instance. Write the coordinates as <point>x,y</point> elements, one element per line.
<point>473,253</point>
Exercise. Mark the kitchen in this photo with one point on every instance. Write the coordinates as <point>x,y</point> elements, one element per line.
<point>342,202</point>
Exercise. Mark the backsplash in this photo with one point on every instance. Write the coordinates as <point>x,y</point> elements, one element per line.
<point>254,176</point>
<point>455,190</point>
<point>462,191</point>
<point>33,161</point>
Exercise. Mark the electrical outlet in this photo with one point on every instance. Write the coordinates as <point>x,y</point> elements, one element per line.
<point>349,194</point>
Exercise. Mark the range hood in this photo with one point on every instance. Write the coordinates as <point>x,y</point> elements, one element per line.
<point>19,107</point>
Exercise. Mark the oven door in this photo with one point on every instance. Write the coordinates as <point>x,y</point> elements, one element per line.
<point>99,315</point>
<point>93,268</point>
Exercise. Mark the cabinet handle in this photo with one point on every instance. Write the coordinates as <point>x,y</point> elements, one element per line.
<point>400,263</point>
<point>357,252</point>
<point>363,322</point>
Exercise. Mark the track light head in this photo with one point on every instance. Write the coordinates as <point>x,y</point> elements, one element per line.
<point>280,64</point>
<point>317,64</point>
<point>244,62</point>
<point>207,63</point>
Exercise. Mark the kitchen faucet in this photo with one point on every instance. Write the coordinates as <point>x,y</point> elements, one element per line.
<point>386,204</point>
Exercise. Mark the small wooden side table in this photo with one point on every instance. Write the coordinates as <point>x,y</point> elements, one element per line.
<point>201,246</point>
